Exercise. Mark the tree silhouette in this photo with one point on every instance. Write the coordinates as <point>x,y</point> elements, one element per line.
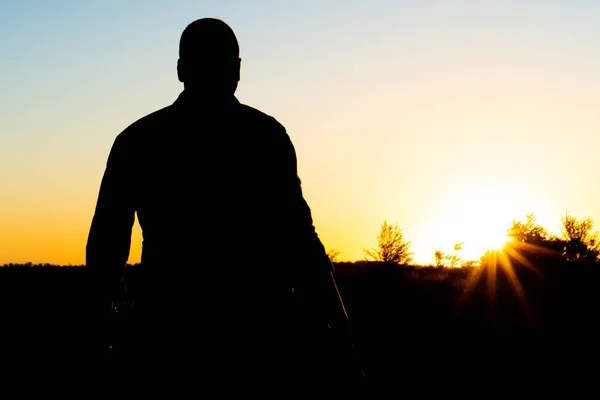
<point>391,246</point>
<point>580,243</point>
<point>333,255</point>
<point>532,244</point>
<point>450,260</point>
<point>529,232</point>
<point>438,258</point>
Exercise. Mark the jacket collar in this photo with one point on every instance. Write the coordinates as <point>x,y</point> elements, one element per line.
<point>190,100</point>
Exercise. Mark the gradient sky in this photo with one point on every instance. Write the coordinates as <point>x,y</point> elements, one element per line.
<point>449,118</point>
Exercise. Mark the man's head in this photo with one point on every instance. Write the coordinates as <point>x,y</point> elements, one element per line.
<point>209,58</point>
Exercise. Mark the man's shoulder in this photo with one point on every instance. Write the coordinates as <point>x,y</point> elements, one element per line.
<point>148,122</point>
<point>261,118</point>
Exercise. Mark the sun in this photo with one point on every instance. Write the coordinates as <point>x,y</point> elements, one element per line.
<point>490,240</point>
<point>479,218</point>
<point>479,236</point>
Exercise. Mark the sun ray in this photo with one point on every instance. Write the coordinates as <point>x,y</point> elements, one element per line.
<point>516,254</point>
<point>468,290</point>
<point>503,264</point>
<point>491,276</point>
<point>516,285</point>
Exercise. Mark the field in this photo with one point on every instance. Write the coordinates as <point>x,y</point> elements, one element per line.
<point>407,322</point>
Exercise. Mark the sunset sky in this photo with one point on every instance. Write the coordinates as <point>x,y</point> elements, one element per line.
<point>450,118</point>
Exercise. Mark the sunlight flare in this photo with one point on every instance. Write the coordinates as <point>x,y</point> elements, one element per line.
<point>500,276</point>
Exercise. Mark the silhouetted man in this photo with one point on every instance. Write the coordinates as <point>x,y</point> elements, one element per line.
<point>234,277</point>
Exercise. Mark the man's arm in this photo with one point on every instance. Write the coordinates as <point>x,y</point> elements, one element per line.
<point>314,270</point>
<point>315,283</point>
<point>109,239</point>
<point>300,221</point>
